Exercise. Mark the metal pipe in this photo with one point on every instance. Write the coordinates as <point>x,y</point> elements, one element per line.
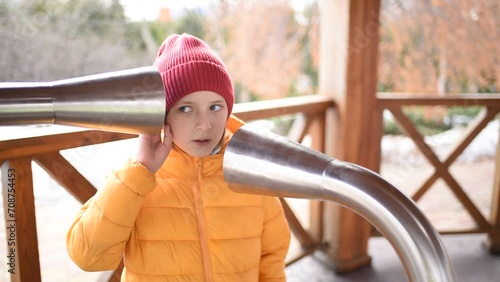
<point>258,161</point>
<point>130,101</point>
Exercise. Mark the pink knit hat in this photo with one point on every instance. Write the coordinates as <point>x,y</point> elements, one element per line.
<point>187,64</point>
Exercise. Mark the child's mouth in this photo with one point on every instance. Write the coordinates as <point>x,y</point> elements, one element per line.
<point>202,142</point>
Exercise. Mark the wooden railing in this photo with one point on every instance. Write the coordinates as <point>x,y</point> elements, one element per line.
<point>16,156</point>
<point>490,104</point>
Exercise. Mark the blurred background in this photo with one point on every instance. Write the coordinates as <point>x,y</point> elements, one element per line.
<point>271,48</point>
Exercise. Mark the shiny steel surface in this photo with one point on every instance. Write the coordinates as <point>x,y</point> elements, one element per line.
<point>129,101</point>
<point>258,161</point>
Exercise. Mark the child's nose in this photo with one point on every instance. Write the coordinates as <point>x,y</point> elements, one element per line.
<point>203,122</point>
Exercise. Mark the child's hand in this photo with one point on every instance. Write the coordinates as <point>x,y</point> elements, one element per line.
<point>152,152</point>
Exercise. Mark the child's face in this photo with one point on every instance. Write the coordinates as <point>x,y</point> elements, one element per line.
<point>197,122</point>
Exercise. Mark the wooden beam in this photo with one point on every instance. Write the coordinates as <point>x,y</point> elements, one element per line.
<point>473,129</point>
<point>479,123</point>
<point>300,128</point>
<point>387,100</point>
<point>26,147</point>
<point>265,109</point>
<point>492,243</point>
<point>349,34</point>
<point>66,175</point>
<point>441,169</point>
<point>23,262</point>
<point>306,241</point>
<point>317,130</point>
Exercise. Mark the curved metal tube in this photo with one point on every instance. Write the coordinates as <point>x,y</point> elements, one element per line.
<point>130,101</point>
<point>261,162</point>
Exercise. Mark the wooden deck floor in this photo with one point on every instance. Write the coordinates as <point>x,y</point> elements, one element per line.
<point>471,262</point>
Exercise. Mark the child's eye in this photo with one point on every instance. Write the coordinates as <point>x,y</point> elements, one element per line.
<point>185,109</point>
<point>215,108</point>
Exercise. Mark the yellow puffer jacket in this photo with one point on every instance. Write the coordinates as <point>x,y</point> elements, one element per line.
<point>182,224</point>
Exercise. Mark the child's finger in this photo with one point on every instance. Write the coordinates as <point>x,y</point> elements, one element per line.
<point>167,135</point>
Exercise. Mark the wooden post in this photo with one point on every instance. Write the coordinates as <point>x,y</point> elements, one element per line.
<point>493,241</point>
<point>66,175</point>
<point>23,262</point>
<point>317,129</point>
<point>348,73</point>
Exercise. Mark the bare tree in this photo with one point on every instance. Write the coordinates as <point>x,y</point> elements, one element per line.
<point>50,40</point>
<point>440,46</point>
<point>260,43</point>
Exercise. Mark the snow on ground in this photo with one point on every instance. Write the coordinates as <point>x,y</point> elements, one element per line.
<point>397,148</point>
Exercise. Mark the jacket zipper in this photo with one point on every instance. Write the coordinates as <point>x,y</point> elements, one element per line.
<point>202,230</point>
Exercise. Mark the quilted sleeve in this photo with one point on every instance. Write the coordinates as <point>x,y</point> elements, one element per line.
<point>97,238</point>
<point>275,241</point>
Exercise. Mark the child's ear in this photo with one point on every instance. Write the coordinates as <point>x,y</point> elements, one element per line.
<point>166,114</point>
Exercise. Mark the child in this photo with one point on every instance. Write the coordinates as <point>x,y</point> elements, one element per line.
<point>169,214</point>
